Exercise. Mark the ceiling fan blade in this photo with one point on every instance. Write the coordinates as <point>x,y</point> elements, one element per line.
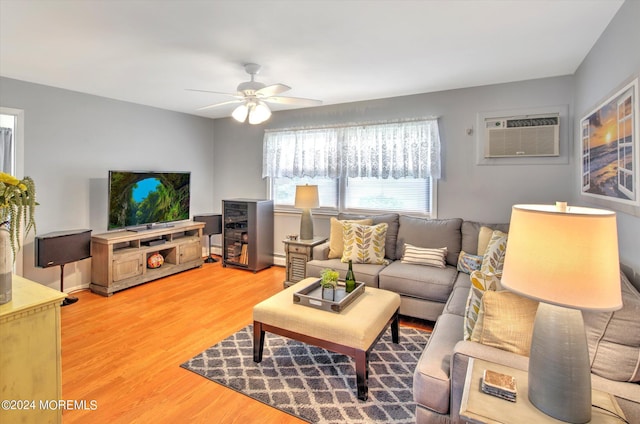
<point>220,104</point>
<point>298,101</point>
<point>237,95</point>
<point>272,90</point>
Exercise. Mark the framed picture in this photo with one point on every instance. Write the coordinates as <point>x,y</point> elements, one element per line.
<point>609,148</point>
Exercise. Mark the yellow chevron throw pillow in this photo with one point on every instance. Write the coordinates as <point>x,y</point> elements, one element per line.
<point>364,244</point>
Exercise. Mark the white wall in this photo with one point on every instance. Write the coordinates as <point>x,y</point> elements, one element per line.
<point>613,61</point>
<point>73,139</point>
<point>467,190</point>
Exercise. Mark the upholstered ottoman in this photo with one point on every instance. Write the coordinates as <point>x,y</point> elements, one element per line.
<point>352,332</point>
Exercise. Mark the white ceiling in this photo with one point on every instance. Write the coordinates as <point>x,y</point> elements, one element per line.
<point>149,52</point>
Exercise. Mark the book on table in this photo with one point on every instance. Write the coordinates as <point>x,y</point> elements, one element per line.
<point>500,385</point>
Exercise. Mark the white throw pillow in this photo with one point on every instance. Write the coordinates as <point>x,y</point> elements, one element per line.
<point>424,256</point>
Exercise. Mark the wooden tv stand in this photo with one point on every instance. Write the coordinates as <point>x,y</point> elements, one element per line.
<point>119,258</point>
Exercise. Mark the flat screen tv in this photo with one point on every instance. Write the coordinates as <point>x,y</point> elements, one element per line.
<point>139,199</point>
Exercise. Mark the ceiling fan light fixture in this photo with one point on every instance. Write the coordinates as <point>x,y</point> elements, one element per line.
<point>259,113</point>
<point>240,113</point>
<point>252,96</point>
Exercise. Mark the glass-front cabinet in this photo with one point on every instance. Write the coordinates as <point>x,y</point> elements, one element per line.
<point>247,233</point>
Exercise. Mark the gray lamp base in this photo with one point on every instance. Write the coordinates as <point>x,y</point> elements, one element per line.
<point>559,374</point>
<point>306,225</point>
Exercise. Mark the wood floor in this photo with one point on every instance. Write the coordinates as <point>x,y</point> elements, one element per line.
<point>122,353</point>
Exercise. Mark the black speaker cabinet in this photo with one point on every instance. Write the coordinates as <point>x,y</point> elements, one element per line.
<point>62,247</point>
<point>213,223</point>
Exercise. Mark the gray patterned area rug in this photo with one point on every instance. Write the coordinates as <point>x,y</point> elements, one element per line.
<point>314,384</point>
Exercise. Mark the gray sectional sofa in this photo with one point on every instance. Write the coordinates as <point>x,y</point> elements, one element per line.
<point>440,295</point>
<point>424,291</point>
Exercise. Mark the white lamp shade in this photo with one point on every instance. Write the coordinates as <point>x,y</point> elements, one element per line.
<point>564,258</point>
<point>259,113</point>
<point>307,197</point>
<point>240,113</point>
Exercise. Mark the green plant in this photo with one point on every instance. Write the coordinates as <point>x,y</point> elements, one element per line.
<point>17,207</point>
<point>329,278</point>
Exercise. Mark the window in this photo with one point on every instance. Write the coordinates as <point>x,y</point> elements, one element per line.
<point>402,194</point>
<point>7,149</point>
<point>13,156</point>
<point>284,191</point>
<point>367,194</point>
<point>625,145</point>
<point>376,167</point>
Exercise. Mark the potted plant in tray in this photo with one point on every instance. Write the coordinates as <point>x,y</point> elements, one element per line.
<point>329,282</point>
<point>17,209</point>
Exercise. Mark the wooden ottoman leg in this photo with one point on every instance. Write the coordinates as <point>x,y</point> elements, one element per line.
<point>362,374</point>
<point>258,341</point>
<point>395,336</point>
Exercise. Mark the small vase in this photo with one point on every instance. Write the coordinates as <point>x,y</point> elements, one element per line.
<point>6,266</point>
<point>339,294</point>
<point>328,293</point>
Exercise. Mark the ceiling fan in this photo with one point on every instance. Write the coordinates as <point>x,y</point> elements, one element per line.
<point>253,97</point>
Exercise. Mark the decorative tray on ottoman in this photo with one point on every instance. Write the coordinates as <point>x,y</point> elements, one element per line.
<point>312,296</point>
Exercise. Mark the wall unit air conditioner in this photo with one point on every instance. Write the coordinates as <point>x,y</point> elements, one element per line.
<point>522,136</point>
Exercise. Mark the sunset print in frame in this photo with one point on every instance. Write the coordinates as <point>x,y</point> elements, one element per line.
<point>609,148</point>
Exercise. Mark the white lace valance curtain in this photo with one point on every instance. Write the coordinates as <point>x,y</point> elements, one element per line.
<point>386,150</point>
<point>301,153</point>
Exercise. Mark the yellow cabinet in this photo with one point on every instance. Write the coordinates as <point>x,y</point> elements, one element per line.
<point>30,362</point>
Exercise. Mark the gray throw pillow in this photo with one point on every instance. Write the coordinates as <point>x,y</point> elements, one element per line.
<point>470,231</point>
<point>432,233</point>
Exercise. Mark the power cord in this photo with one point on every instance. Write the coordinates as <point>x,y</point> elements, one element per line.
<point>612,413</point>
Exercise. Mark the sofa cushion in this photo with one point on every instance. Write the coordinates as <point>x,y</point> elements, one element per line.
<point>458,298</point>
<point>413,280</point>
<point>468,263</point>
<point>431,383</point>
<point>364,244</point>
<point>493,258</point>
<point>506,321</point>
<point>336,238</point>
<point>392,230</point>
<point>480,283</point>
<point>424,256</point>
<point>614,337</point>
<point>434,233</point>
<point>470,231</point>
<point>457,301</point>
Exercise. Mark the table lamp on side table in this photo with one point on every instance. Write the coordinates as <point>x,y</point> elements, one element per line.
<point>306,199</point>
<point>566,258</point>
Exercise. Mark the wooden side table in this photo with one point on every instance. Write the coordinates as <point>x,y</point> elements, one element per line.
<point>478,407</point>
<point>298,253</point>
